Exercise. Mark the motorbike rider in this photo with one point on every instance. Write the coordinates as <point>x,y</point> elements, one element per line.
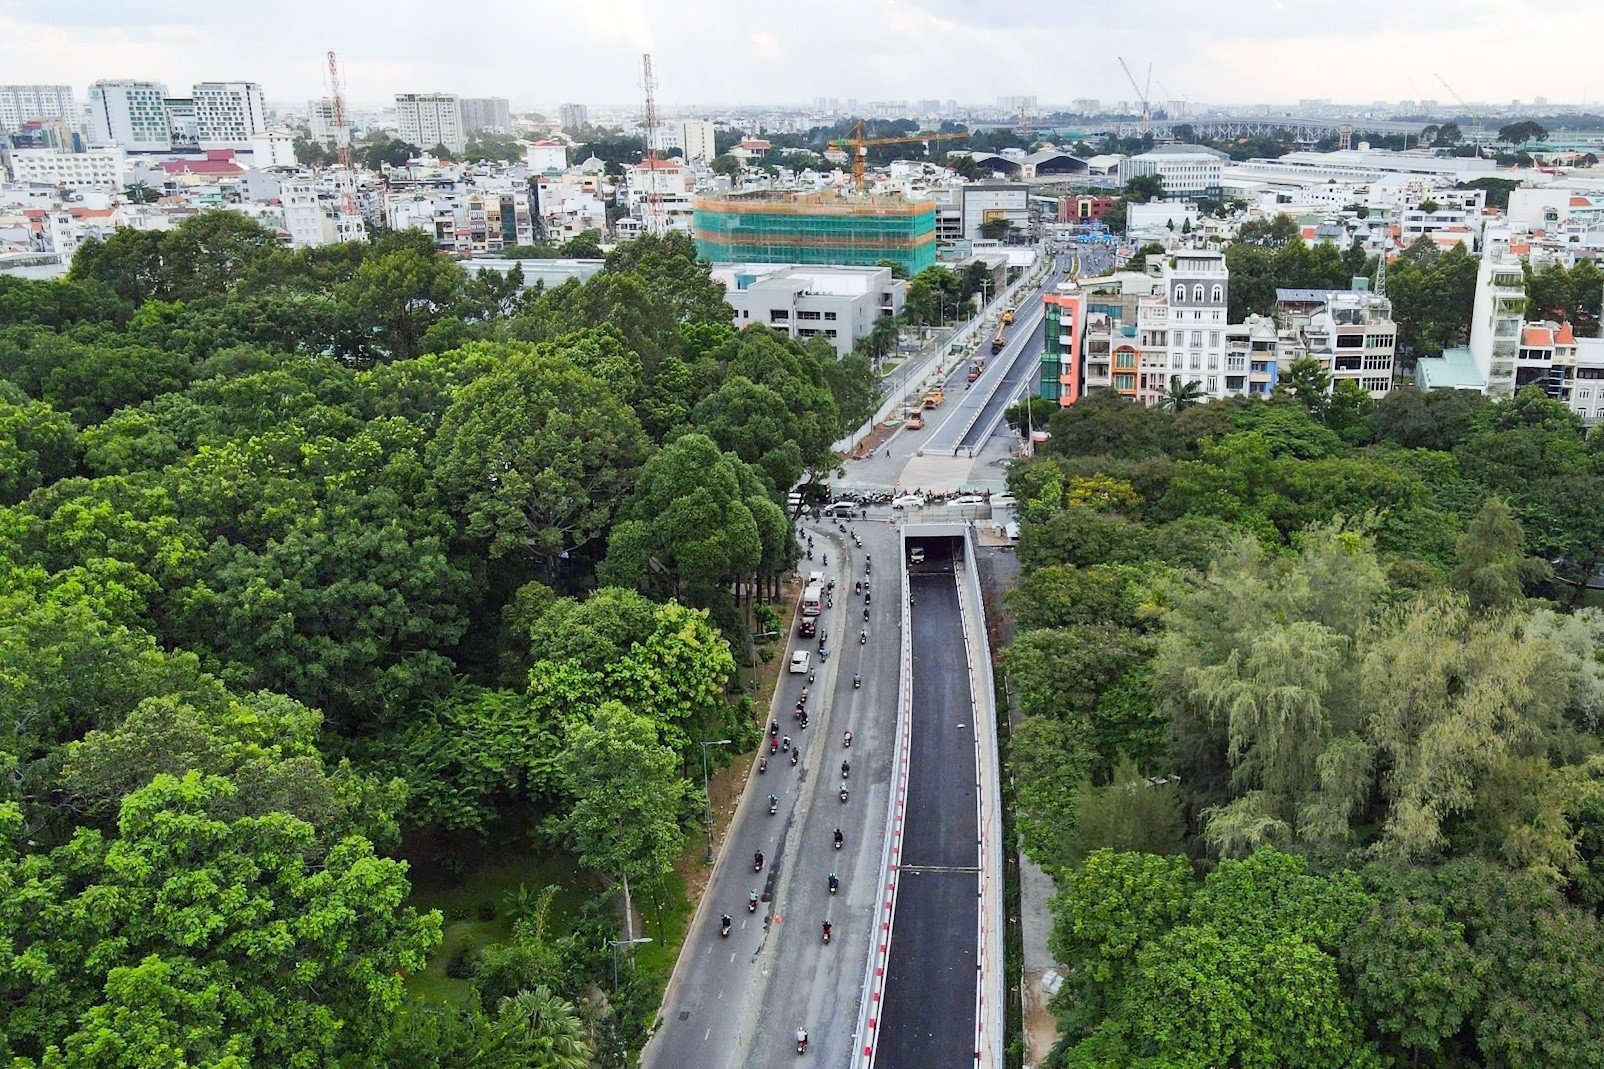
<point>835,882</point>
<point>839,838</point>
<point>757,861</point>
<point>846,738</point>
<point>751,902</point>
<point>801,1040</point>
<point>845,769</point>
<point>785,742</point>
<point>724,924</point>
<point>827,929</point>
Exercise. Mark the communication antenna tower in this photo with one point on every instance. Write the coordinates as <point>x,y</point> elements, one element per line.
<point>655,223</point>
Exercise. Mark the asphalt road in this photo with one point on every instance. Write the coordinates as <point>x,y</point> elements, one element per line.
<point>927,1016</point>
<point>738,1001</point>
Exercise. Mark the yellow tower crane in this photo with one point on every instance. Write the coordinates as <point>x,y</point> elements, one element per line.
<point>858,145</point>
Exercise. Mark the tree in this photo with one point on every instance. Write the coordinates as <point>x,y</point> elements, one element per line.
<point>1516,133</point>
<point>395,298</point>
<point>546,1029</point>
<point>1493,571</point>
<point>1106,424</point>
<point>237,940</point>
<point>1144,187</point>
<point>536,455</point>
<point>627,795</point>
<point>38,445</point>
<point>1411,974</point>
<point>1308,382</point>
<point>996,229</point>
<point>1182,395</point>
<point>1448,135</point>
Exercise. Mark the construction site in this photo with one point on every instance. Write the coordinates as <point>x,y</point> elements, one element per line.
<point>816,228</point>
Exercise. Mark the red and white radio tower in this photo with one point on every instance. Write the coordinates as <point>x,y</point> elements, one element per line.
<point>655,223</point>
<point>342,142</point>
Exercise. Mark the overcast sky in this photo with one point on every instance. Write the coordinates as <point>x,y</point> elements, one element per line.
<point>541,52</point>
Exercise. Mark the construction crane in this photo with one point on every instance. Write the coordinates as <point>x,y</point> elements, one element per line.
<point>1468,109</point>
<point>858,146</point>
<point>342,141</point>
<point>1141,94</point>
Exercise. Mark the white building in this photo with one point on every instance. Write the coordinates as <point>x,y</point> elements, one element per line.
<point>101,168</point>
<point>320,118</point>
<point>546,157</point>
<point>1181,329</point>
<point>840,304</point>
<point>132,115</point>
<point>430,119</point>
<point>1495,322</point>
<point>984,202</point>
<point>228,114</point>
<point>1355,339</point>
<point>19,103</point>
<point>570,116</point>
<point>272,148</point>
<point>696,140</point>
<point>1185,174</point>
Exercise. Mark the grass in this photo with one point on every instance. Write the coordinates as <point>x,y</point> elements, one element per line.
<point>460,900</point>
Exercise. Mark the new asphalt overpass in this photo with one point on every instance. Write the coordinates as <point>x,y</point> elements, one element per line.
<point>936,974</point>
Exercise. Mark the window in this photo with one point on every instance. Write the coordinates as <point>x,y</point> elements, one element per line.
<point>829,333</point>
<point>1217,294</point>
<point>1197,293</point>
<point>801,314</point>
<point>1197,339</point>
<point>1584,395</point>
<point>1214,338</point>
<point>1378,362</point>
<point>1212,385</point>
<point>829,316</point>
<point>1194,362</point>
<point>1180,294</point>
<point>778,315</point>
<point>745,314</point>
<point>1376,385</point>
<point>1214,362</point>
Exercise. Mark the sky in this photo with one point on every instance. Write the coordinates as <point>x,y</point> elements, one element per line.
<point>539,53</point>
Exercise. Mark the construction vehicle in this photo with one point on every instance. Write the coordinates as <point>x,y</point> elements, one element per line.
<point>1008,315</point>
<point>934,398</point>
<point>1000,338</point>
<point>858,146</point>
<point>977,368</point>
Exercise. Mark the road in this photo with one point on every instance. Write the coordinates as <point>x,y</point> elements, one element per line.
<point>738,1001</point>
<point>927,1017</point>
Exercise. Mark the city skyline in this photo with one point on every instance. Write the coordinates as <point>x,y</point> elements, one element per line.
<point>718,51</point>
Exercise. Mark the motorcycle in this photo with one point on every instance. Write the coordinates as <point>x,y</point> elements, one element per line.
<point>802,721</point>
<point>762,765</point>
<point>866,614</point>
<point>774,805</point>
<point>843,793</point>
<point>774,744</point>
<point>795,756</point>
<point>835,883</point>
<point>845,769</point>
<point>839,838</point>
<point>724,926</point>
<point>757,861</point>
<point>810,553</point>
<point>751,902</point>
<point>801,1042</point>
<point>857,681</point>
<point>857,588</point>
<point>810,675</point>
<point>863,636</point>
<point>774,728</point>
<point>827,932</point>
<point>785,742</point>
<point>846,739</point>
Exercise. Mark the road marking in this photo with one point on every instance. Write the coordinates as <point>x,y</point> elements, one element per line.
<point>705,1034</point>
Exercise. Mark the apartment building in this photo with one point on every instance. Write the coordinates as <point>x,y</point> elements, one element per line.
<point>1252,357</point>
<point>103,168</point>
<point>430,119</point>
<point>1181,329</point>
<point>546,157</point>
<point>1064,338</point>
<point>486,115</point>
<point>696,140</point>
<point>1495,323</point>
<point>572,116</point>
<point>228,114</point>
<point>132,115</point>
<point>840,304</point>
<point>1355,339</point>
<point>20,103</point>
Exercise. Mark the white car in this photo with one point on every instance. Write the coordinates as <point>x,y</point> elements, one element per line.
<point>800,660</point>
<point>916,555</point>
<point>839,508</point>
<point>1003,501</point>
<point>969,499</point>
<point>908,501</point>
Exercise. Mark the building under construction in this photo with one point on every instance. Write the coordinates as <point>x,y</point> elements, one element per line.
<point>816,228</point>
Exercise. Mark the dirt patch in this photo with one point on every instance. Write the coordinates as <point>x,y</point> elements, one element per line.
<point>1041,1027</point>
<point>876,438</point>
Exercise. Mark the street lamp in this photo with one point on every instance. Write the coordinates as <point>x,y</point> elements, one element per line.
<point>708,797</point>
<point>615,944</point>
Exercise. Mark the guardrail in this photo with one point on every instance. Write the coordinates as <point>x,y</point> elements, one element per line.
<point>992,973</point>
<point>874,979</point>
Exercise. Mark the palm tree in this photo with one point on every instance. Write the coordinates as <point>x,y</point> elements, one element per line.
<point>546,1027</point>
<point>1181,396</point>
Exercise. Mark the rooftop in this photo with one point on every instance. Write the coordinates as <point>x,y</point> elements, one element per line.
<point>1455,369</point>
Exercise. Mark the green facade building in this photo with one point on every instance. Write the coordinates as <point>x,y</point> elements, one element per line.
<point>816,228</point>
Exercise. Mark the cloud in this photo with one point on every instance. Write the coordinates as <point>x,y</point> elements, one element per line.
<point>735,51</point>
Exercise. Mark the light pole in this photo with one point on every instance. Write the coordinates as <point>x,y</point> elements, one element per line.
<point>708,796</point>
<point>615,944</point>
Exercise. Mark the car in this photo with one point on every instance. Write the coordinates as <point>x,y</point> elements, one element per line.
<point>839,508</point>
<point>969,499</point>
<point>916,555</point>
<point>799,661</point>
<point>808,628</point>
<point>908,501</point>
<point>1003,501</point>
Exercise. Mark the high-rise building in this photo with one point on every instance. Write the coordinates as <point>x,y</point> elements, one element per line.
<point>19,103</point>
<point>228,114</point>
<point>130,114</point>
<point>572,116</point>
<point>320,117</point>
<point>1496,319</point>
<point>1182,328</point>
<point>819,228</point>
<point>696,140</point>
<point>486,115</point>
<point>430,119</point>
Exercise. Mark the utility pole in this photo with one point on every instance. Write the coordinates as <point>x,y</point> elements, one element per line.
<point>708,795</point>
